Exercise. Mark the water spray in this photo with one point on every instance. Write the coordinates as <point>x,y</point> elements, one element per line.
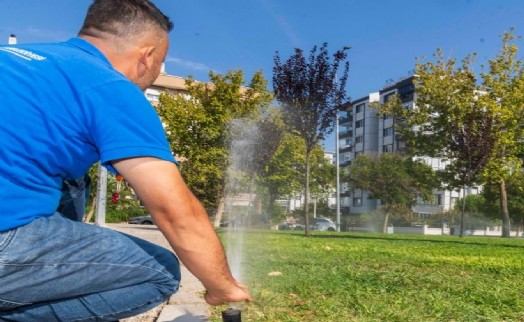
<point>242,149</point>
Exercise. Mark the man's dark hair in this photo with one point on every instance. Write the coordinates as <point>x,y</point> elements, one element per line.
<point>123,18</point>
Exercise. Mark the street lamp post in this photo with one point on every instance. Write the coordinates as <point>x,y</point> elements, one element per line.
<point>101,191</point>
<point>337,167</point>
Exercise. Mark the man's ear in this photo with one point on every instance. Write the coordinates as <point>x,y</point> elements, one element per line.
<point>145,60</point>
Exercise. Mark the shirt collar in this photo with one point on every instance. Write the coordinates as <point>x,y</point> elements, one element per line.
<point>89,48</point>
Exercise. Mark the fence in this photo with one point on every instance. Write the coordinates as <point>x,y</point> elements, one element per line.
<point>426,230</point>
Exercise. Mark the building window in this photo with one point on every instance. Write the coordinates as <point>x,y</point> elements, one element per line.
<point>401,146</point>
<point>359,123</point>
<point>359,139</point>
<point>387,148</point>
<point>357,202</point>
<point>406,92</point>
<point>388,97</point>
<point>152,95</point>
<point>359,108</point>
<point>435,199</point>
<point>386,117</point>
<point>387,132</point>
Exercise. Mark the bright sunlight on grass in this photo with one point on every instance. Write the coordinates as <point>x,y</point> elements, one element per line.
<point>371,277</point>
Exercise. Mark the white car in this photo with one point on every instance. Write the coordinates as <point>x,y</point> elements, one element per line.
<point>324,224</point>
<point>320,224</point>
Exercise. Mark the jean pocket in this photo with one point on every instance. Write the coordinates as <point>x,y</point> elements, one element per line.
<point>10,305</point>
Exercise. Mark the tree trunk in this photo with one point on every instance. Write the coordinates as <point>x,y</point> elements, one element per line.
<point>270,209</point>
<point>463,211</point>
<point>306,189</point>
<point>386,221</point>
<point>504,208</point>
<point>91,211</point>
<point>220,210</point>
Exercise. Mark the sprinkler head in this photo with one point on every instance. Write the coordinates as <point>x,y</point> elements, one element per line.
<point>231,315</point>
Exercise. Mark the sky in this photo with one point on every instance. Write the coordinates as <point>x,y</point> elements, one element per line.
<point>386,36</point>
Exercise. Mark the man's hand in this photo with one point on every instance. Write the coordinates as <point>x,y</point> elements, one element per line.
<point>237,293</point>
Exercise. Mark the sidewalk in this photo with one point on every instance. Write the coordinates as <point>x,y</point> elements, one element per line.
<point>188,304</point>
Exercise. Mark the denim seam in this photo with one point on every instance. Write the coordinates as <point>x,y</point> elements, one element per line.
<point>163,272</point>
<point>14,302</point>
<point>114,313</point>
<point>10,235</point>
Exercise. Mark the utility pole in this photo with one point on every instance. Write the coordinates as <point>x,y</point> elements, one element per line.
<point>101,192</point>
<point>337,167</point>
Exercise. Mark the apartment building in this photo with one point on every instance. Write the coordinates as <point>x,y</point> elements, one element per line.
<point>365,132</point>
<point>166,83</point>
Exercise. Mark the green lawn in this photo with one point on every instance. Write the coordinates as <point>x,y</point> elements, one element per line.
<point>372,277</point>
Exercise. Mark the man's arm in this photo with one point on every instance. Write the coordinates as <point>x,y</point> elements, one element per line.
<point>184,222</point>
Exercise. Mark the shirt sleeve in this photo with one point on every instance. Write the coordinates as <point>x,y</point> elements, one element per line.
<point>123,124</point>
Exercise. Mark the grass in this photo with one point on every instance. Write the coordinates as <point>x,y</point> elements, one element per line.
<point>371,277</point>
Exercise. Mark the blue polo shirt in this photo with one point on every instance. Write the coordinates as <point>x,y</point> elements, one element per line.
<point>62,108</point>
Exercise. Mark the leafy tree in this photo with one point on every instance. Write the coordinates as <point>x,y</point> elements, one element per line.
<point>393,179</point>
<point>473,204</point>
<point>270,134</point>
<point>117,210</point>
<point>197,127</point>
<point>310,96</point>
<point>281,177</point>
<point>448,121</point>
<point>475,127</point>
<point>253,143</point>
<point>515,192</point>
<point>503,85</point>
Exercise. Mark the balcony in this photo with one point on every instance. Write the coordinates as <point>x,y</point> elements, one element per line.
<point>346,148</point>
<point>346,120</point>
<point>345,134</point>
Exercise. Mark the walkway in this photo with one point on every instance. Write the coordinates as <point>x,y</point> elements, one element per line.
<point>188,304</point>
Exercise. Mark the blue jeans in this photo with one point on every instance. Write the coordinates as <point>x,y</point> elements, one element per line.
<point>75,194</point>
<point>55,269</point>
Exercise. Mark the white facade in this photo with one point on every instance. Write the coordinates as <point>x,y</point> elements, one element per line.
<point>374,134</point>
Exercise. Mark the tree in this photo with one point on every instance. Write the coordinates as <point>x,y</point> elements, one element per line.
<point>393,179</point>
<point>197,127</point>
<point>515,193</point>
<point>448,122</point>
<point>474,127</point>
<point>310,97</point>
<point>281,176</point>
<point>473,204</point>
<point>504,98</point>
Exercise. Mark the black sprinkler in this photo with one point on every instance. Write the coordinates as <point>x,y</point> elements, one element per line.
<point>231,315</point>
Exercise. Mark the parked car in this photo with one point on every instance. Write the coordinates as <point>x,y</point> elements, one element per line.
<point>324,224</point>
<point>286,226</point>
<point>227,223</point>
<point>142,220</point>
<point>320,224</point>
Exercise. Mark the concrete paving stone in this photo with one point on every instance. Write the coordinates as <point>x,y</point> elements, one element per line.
<point>188,304</point>
<point>149,316</point>
<point>184,313</point>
